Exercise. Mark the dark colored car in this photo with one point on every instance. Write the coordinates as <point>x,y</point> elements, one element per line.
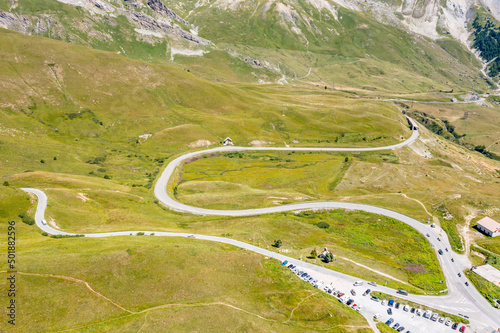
<point>401,329</point>
<point>454,326</point>
<point>440,252</point>
<point>412,310</point>
<point>396,306</point>
<point>389,322</point>
<point>396,325</point>
<point>389,311</point>
<point>349,302</point>
<point>340,294</point>
<point>367,292</point>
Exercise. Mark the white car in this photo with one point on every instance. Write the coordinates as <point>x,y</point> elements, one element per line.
<point>377,316</point>
<point>418,312</point>
<point>406,308</point>
<point>383,302</point>
<point>44,222</point>
<point>358,283</point>
<point>448,322</point>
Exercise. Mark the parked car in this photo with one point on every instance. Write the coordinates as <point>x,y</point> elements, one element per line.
<point>383,302</point>
<point>375,299</point>
<point>462,329</point>
<point>418,312</point>
<point>406,308</point>
<point>377,316</point>
<point>389,322</point>
<point>434,316</point>
<point>353,292</point>
<point>396,306</point>
<point>441,320</point>
<point>350,301</point>
<point>427,314</point>
<point>389,311</point>
<point>367,291</point>
<point>412,310</point>
<point>401,329</point>
<point>391,303</point>
<point>340,294</point>
<point>448,322</point>
<point>342,299</point>
<point>358,283</point>
<point>454,326</point>
<point>403,292</point>
<point>396,325</point>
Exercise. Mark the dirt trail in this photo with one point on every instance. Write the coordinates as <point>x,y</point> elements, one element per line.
<point>464,229</point>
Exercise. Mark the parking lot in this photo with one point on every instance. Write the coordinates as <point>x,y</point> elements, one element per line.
<point>412,322</point>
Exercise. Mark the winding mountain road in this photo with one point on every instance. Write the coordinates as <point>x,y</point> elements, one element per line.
<point>458,300</point>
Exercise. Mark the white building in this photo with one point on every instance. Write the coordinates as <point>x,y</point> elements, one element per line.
<point>489,226</point>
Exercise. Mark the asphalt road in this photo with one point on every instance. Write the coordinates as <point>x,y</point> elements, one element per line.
<point>458,300</point>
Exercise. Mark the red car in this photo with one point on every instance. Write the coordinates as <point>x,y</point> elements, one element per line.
<point>340,294</point>
<point>462,329</point>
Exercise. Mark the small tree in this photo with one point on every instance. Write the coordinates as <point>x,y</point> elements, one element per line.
<point>328,257</point>
<point>6,183</point>
<point>346,159</point>
<point>314,253</point>
<point>277,243</point>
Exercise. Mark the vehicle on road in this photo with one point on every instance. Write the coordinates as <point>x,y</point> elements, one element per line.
<point>44,222</point>
<point>284,263</point>
<point>428,235</point>
<point>191,236</point>
<point>377,316</point>
<point>446,249</point>
<point>353,292</point>
<point>358,283</point>
<point>402,292</point>
<point>466,283</point>
<point>391,303</point>
<point>452,260</point>
<point>389,322</point>
<point>459,275</point>
<point>389,311</point>
<point>371,283</point>
<point>367,291</point>
<point>462,329</point>
<point>440,252</point>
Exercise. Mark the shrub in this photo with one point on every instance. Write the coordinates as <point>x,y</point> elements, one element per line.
<point>323,225</point>
<point>277,243</point>
<point>27,219</point>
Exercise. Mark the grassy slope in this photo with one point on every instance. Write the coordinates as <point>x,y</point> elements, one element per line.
<point>140,273</point>
<point>353,51</point>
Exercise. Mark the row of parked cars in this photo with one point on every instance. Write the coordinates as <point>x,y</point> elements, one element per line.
<point>434,316</point>
<point>329,289</point>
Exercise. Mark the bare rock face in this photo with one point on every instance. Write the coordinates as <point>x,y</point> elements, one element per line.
<point>159,7</point>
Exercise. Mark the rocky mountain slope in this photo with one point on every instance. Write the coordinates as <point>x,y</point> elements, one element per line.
<point>409,45</point>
